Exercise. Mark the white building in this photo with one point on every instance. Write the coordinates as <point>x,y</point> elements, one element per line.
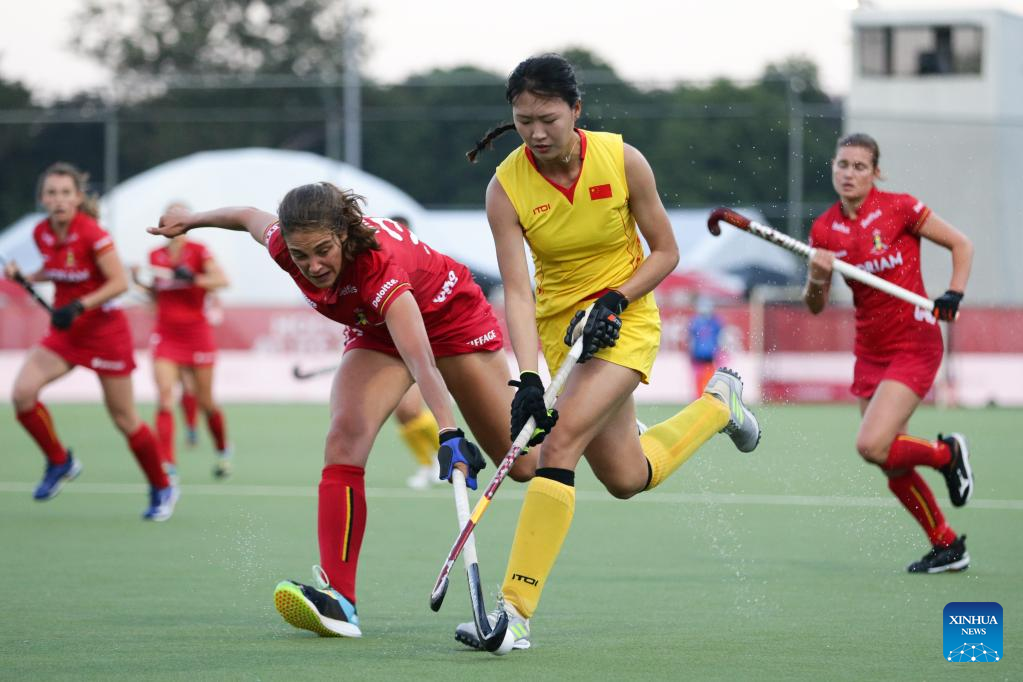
<point>942,92</point>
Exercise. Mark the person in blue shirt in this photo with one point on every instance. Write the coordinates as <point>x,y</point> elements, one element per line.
<point>704,343</point>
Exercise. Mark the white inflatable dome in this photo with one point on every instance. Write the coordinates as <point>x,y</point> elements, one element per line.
<point>236,177</point>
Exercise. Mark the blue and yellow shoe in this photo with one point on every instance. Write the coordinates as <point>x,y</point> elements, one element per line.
<point>322,610</point>
<point>55,476</point>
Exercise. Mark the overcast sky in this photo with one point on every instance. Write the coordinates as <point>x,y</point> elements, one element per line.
<point>646,40</point>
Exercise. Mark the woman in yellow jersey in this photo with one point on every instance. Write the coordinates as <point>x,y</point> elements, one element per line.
<point>580,199</point>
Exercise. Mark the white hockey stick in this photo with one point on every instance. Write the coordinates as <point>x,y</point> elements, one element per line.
<point>727,215</point>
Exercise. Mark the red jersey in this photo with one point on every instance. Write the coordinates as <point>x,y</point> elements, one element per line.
<point>884,240</point>
<point>179,304</point>
<point>98,338</point>
<point>369,285</point>
<point>70,263</point>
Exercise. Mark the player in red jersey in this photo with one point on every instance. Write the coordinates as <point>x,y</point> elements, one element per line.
<point>898,347</point>
<point>413,315</point>
<point>183,273</point>
<point>80,259</point>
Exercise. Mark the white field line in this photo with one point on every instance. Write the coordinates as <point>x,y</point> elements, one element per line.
<point>440,493</point>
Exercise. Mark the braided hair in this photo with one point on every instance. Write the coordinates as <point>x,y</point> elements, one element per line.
<point>549,75</point>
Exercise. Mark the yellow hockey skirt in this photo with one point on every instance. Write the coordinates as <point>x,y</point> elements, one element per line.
<point>637,343</point>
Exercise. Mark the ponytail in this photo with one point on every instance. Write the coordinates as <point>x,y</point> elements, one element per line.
<point>488,141</point>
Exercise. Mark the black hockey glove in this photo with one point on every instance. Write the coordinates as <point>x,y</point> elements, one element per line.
<point>62,317</point>
<point>946,306</point>
<point>183,273</point>
<point>602,326</point>
<point>528,402</point>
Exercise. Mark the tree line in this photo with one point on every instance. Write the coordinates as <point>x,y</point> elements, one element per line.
<point>721,142</point>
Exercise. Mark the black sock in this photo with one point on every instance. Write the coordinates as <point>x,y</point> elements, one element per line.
<point>563,476</point>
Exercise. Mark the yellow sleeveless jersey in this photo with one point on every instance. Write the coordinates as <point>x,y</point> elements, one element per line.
<point>584,241</point>
<point>583,238</point>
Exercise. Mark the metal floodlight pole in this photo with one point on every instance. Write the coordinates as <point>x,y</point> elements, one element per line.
<point>111,146</point>
<point>794,87</point>
<point>351,89</point>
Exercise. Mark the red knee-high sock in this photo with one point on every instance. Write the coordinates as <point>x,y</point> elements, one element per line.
<point>917,498</point>
<point>147,453</point>
<point>341,524</point>
<point>215,422</point>
<point>907,452</point>
<point>165,433</point>
<point>39,424</point>
<point>190,406</point>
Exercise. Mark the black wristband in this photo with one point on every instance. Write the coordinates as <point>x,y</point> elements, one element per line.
<point>614,301</point>
<point>445,436</point>
<point>528,379</point>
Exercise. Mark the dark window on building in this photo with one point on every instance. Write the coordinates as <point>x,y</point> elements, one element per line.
<point>920,50</point>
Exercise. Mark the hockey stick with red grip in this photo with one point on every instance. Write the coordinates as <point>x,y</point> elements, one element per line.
<point>847,270</point>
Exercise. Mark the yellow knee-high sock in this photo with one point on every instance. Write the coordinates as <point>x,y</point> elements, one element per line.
<point>669,444</point>
<point>543,525</point>
<point>420,435</point>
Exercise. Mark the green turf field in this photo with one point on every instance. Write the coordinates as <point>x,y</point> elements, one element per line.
<point>786,564</point>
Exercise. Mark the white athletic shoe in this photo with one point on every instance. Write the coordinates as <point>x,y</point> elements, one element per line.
<point>742,426</point>
<point>222,467</point>
<point>517,625</point>
<point>423,478</point>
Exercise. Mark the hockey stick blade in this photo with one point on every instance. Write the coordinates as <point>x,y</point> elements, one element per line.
<point>490,638</point>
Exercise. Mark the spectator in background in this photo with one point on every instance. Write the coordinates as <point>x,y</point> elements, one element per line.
<point>85,329</point>
<point>705,329</point>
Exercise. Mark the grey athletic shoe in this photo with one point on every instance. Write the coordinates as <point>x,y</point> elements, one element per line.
<point>517,625</point>
<point>742,426</point>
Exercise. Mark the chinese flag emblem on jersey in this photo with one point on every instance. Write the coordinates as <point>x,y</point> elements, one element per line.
<point>600,192</point>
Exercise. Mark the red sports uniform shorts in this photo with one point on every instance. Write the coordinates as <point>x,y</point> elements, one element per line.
<point>103,345</point>
<point>468,326</point>
<point>915,369</point>
<point>192,349</point>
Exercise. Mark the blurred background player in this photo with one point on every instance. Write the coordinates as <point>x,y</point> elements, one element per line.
<point>704,343</point>
<point>417,425</point>
<point>184,272</point>
<point>85,329</point>
<point>189,407</point>
<point>188,404</point>
<point>576,197</point>
<point>898,347</point>
<point>413,316</point>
